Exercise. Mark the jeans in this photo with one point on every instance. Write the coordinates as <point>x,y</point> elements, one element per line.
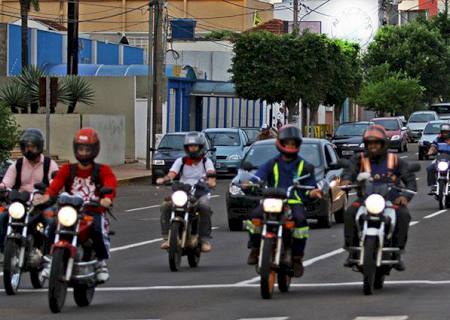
<point>431,174</point>
<point>205,218</point>
<point>296,243</point>
<point>400,236</point>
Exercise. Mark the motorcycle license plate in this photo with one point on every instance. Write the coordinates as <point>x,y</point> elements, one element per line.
<point>347,153</point>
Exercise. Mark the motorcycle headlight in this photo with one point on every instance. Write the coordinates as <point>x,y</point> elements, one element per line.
<point>234,157</point>
<point>16,210</point>
<point>375,204</point>
<point>396,137</point>
<point>67,216</point>
<point>442,166</point>
<point>272,205</point>
<point>235,190</point>
<point>179,198</point>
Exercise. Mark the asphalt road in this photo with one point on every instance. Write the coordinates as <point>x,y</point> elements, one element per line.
<point>224,287</point>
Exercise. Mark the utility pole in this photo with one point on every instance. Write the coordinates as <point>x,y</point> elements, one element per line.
<point>149,153</point>
<point>296,28</point>
<point>158,68</point>
<point>72,37</point>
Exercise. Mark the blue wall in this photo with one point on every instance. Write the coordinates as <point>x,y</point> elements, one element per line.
<point>107,53</point>
<point>132,55</point>
<point>14,49</point>
<point>85,51</point>
<point>49,48</point>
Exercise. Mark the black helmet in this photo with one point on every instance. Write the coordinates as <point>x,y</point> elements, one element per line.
<point>285,133</point>
<point>197,139</point>
<point>32,136</point>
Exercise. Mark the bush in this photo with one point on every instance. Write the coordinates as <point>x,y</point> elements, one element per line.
<point>9,132</point>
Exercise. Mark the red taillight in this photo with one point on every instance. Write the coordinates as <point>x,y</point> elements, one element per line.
<point>270,235</point>
<point>257,222</point>
<point>289,224</point>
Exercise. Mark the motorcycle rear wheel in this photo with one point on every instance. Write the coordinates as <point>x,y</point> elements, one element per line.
<point>268,275</point>
<point>175,251</point>
<point>57,286</point>
<point>369,264</point>
<point>194,257</point>
<point>83,294</point>
<point>12,273</point>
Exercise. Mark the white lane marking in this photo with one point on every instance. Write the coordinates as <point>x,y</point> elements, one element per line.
<point>434,214</point>
<point>413,223</point>
<point>134,245</point>
<point>306,263</point>
<point>236,285</point>
<point>417,179</point>
<point>403,157</point>
<point>158,205</point>
<point>215,228</point>
<point>271,318</point>
<point>383,318</point>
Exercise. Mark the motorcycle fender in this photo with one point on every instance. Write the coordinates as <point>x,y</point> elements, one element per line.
<point>372,232</point>
<point>65,245</point>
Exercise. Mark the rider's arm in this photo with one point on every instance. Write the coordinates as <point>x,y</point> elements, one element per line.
<point>173,171</point>
<point>108,179</point>
<point>263,171</point>
<point>53,168</point>
<point>311,180</point>
<point>408,179</point>
<point>59,181</point>
<point>10,177</point>
<point>210,170</point>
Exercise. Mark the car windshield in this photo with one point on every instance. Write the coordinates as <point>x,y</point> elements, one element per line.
<point>223,138</point>
<point>441,108</point>
<point>172,142</point>
<point>252,133</point>
<point>432,128</point>
<point>351,129</point>
<point>388,124</point>
<point>421,117</point>
<point>260,154</point>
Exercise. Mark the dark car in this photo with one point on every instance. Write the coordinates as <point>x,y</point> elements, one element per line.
<point>320,153</point>
<point>169,149</point>
<point>348,137</point>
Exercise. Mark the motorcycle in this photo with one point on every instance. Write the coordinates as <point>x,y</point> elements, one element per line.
<point>441,189</point>
<point>375,221</point>
<point>184,224</point>
<point>276,225</point>
<point>24,246</point>
<point>73,261</point>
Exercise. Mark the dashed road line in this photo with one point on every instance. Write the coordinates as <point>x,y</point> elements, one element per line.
<point>434,214</point>
<point>271,318</point>
<point>134,245</point>
<point>403,157</point>
<point>383,318</point>
<point>413,223</point>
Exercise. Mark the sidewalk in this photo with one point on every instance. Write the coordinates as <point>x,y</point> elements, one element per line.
<point>130,172</point>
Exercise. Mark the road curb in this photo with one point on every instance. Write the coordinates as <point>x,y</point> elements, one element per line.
<point>129,180</point>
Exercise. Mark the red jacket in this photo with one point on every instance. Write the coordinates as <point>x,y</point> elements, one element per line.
<point>82,184</point>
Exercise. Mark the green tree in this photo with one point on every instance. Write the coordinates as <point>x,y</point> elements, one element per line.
<point>8,132</point>
<point>417,51</point>
<point>74,90</point>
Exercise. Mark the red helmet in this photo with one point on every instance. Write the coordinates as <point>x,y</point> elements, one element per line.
<point>288,132</point>
<point>86,137</point>
<point>375,133</point>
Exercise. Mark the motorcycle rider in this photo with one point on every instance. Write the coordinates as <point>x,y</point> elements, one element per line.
<point>85,179</point>
<point>383,167</point>
<point>279,172</point>
<point>191,168</point>
<point>444,137</point>
<point>24,173</point>
<point>265,133</point>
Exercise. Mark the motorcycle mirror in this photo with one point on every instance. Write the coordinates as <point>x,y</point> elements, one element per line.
<point>414,167</point>
<point>40,186</point>
<point>247,166</point>
<point>213,149</point>
<point>106,190</point>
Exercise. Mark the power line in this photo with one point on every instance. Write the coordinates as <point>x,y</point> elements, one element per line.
<point>315,9</point>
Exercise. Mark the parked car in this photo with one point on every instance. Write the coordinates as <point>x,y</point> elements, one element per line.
<point>229,144</point>
<point>169,149</point>
<point>442,109</point>
<point>417,122</point>
<point>431,131</point>
<point>321,153</point>
<point>348,137</point>
<point>395,131</point>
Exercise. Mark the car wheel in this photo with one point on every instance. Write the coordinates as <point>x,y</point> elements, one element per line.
<point>235,224</point>
<point>339,215</point>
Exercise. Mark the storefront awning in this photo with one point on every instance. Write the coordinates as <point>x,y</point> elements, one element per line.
<point>213,89</point>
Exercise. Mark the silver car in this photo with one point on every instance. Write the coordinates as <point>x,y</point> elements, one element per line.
<point>417,122</point>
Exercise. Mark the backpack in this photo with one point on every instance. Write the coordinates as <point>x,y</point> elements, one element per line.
<point>183,162</point>
<point>19,165</point>
<point>73,174</point>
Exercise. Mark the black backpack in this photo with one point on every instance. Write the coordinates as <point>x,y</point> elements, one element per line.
<point>73,173</point>
<point>19,164</point>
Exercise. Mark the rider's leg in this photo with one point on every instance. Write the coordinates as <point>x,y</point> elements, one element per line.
<point>165,209</point>
<point>205,223</point>
<point>350,231</point>
<point>401,234</point>
<point>254,232</point>
<point>299,236</point>
<point>431,175</point>
<point>101,245</point>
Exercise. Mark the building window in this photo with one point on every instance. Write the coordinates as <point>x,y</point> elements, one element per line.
<point>413,15</point>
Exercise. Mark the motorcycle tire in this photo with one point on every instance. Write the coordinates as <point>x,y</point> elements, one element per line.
<point>83,294</point>
<point>57,286</point>
<point>268,275</point>
<point>175,251</point>
<point>442,199</point>
<point>369,264</point>
<point>11,271</point>
<point>36,280</point>
<point>194,257</point>
<point>284,281</point>
<point>379,279</point>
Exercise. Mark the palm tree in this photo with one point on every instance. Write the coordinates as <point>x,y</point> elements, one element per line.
<point>29,82</point>
<point>25,6</point>
<point>75,89</point>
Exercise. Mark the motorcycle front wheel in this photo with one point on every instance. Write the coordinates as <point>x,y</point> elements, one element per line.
<point>11,270</point>
<point>441,197</point>
<point>57,286</point>
<point>175,251</point>
<point>268,275</point>
<point>83,294</point>
<point>284,281</point>
<point>369,264</point>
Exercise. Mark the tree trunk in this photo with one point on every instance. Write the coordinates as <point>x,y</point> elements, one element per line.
<point>24,7</point>
<point>292,111</point>
<point>71,107</point>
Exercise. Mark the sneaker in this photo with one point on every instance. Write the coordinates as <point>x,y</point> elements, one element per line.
<point>102,271</point>
<point>165,245</point>
<point>348,263</point>
<point>206,246</point>
<point>400,266</point>
<point>297,265</point>
<point>253,257</point>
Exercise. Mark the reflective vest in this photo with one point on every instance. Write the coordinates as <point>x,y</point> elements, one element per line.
<point>390,165</point>
<point>276,176</point>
